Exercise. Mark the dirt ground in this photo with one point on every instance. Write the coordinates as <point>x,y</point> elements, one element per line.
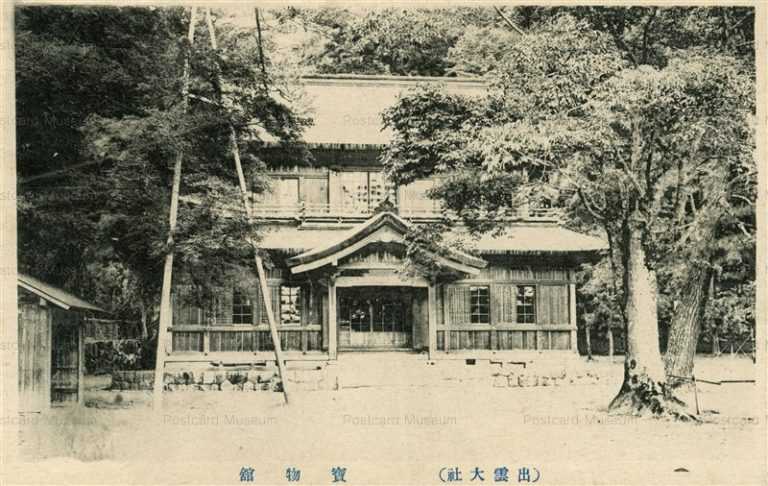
<point>394,434</point>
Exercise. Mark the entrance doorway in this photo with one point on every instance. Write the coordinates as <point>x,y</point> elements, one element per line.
<point>375,317</point>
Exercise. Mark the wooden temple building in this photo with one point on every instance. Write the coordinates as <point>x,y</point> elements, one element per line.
<point>335,233</point>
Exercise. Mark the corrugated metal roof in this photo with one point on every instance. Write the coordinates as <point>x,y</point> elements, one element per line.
<point>54,295</point>
<point>519,238</point>
<point>347,108</point>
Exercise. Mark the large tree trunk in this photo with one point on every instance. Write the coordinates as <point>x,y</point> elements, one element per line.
<point>610,344</point>
<point>144,332</point>
<point>644,390</point>
<point>685,328</point>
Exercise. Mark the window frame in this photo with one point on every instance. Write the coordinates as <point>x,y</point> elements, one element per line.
<point>533,305</point>
<point>472,304</point>
<point>297,303</point>
<point>236,295</point>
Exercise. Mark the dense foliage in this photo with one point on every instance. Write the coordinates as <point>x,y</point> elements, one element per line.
<point>617,115</point>
<point>114,76</point>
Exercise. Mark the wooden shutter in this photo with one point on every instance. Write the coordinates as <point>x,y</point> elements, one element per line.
<point>552,304</point>
<point>274,298</point>
<point>223,306</point>
<point>310,310</point>
<point>184,312</point>
<point>503,303</point>
<point>559,304</point>
<point>457,299</point>
<point>314,191</point>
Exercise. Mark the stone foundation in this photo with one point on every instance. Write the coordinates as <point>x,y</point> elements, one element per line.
<point>132,380</point>
<point>537,375</point>
<point>313,376</point>
<point>300,376</point>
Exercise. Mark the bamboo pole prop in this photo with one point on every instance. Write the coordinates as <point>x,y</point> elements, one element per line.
<point>166,311</point>
<point>249,215</point>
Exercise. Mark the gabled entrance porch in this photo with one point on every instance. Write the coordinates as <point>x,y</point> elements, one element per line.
<point>372,304</point>
<point>381,318</point>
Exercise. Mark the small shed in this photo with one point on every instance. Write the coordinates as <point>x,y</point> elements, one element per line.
<point>51,324</point>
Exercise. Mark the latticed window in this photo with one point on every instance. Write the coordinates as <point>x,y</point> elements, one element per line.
<point>290,305</point>
<point>242,308</point>
<point>479,305</point>
<point>526,304</point>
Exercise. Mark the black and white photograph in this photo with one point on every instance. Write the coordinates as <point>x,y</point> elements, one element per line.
<point>383,243</point>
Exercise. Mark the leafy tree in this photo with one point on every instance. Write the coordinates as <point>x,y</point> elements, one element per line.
<point>108,213</point>
<point>480,50</point>
<point>71,64</point>
<point>572,120</point>
<point>599,305</point>
<point>384,41</point>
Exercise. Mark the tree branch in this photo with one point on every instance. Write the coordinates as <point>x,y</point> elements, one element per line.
<point>589,205</point>
<point>646,29</point>
<point>261,49</point>
<point>508,21</point>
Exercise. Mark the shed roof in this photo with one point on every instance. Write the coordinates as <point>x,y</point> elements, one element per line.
<point>54,295</point>
<point>347,108</point>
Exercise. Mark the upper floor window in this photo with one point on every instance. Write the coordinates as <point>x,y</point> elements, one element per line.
<point>290,305</point>
<point>285,191</point>
<point>479,305</point>
<point>414,199</point>
<point>365,190</point>
<point>526,304</point>
<point>242,308</point>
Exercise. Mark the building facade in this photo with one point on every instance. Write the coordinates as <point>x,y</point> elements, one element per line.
<point>336,233</point>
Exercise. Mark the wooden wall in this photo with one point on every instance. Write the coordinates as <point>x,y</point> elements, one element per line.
<point>50,351</point>
<point>34,357</point>
<point>551,330</point>
<point>66,365</point>
<point>195,331</point>
<point>198,329</point>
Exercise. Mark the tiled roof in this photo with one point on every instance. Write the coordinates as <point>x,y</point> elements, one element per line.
<point>535,238</point>
<point>55,295</point>
<point>519,238</point>
<point>343,240</point>
<point>347,108</point>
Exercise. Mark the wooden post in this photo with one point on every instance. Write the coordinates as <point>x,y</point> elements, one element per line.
<point>572,316</point>
<point>166,310</point>
<point>271,318</point>
<point>249,215</point>
<point>432,320</point>
<point>48,359</point>
<point>80,363</point>
<point>332,320</point>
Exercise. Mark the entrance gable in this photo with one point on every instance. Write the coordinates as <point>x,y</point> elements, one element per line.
<point>383,228</point>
